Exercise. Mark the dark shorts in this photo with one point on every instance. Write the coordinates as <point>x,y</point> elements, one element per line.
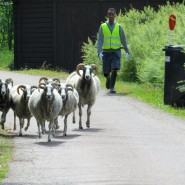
<point>111,60</point>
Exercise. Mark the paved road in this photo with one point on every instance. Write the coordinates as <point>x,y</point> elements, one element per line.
<point>129,143</point>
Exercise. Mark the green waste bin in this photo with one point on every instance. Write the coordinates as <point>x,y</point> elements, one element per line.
<point>174,72</point>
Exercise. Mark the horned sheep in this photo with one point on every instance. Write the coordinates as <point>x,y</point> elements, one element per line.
<point>19,96</point>
<point>45,104</point>
<point>87,85</point>
<point>70,100</point>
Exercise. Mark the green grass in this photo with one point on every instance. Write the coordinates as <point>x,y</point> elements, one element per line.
<point>6,59</point>
<point>6,150</point>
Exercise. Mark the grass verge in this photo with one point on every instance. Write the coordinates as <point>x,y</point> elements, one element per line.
<point>6,151</point>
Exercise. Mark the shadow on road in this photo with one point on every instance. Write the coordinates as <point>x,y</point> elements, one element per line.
<point>89,130</point>
<point>115,94</point>
<point>53,143</point>
<point>71,136</point>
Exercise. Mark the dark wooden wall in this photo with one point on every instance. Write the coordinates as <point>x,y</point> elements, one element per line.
<point>53,31</point>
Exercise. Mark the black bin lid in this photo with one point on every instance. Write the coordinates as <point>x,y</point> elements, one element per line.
<point>175,47</point>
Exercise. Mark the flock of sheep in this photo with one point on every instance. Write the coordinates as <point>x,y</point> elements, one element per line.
<point>50,99</point>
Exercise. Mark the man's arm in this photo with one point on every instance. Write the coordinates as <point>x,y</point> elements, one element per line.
<point>123,40</point>
<point>100,41</point>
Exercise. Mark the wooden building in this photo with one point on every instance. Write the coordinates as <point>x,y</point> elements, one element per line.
<point>52,32</point>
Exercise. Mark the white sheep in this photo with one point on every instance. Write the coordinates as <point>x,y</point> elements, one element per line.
<point>45,104</point>
<point>87,85</point>
<point>19,96</point>
<point>70,99</point>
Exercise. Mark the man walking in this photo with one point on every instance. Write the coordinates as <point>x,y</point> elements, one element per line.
<point>111,38</point>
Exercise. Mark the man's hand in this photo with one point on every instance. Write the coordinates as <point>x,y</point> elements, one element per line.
<point>128,55</point>
<point>101,56</point>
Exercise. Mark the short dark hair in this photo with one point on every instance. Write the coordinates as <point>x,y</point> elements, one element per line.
<point>112,9</point>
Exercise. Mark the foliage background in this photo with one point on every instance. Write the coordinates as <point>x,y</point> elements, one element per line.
<point>147,33</point>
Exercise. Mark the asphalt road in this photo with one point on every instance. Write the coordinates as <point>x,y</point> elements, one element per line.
<point>129,143</point>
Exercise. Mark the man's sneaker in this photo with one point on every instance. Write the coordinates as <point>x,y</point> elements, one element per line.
<point>108,83</point>
<point>112,90</point>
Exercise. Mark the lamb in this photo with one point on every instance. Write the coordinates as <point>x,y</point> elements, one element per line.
<point>87,86</point>
<point>19,104</point>
<point>5,86</point>
<point>70,99</point>
<point>45,104</point>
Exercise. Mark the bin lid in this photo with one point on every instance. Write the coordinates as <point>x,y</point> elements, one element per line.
<point>175,47</point>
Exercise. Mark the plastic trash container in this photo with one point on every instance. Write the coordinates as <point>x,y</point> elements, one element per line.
<point>174,72</point>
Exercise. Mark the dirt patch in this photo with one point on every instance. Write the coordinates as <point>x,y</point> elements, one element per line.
<point>7,132</point>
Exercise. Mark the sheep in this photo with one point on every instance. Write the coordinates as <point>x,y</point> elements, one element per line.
<point>70,99</point>
<point>19,104</point>
<point>5,86</point>
<point>45,104</point>
<point>51,81</point>
<point>87,86</point>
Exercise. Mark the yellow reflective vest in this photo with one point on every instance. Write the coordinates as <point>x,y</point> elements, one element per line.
<point>111,40</point>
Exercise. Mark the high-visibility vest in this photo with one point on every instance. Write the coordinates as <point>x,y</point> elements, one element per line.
<point>111,40</point>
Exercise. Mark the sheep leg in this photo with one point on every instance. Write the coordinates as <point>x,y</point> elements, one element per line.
<point>3,118</point>
<point>28,124</point>
<point>65,125</point>
<point>74,118</point>
<point>80,117</point>
<point>53,128</point>
<point>88,115</point>
<point>49,134</point>
<point>38,125</point>
<point>43,128</point>
<point>20,123</point>
<point>56,123</point>
<point>14,127</point>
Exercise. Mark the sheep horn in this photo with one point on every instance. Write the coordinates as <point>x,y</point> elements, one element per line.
<point>20,87</point>
<point>79,66</point>
<point>56,79</point>
<point>69,87</point>
<point>94,67</point>
<point>56,85</point>
<point>43,78</point>
<point>40,85</point>
<point>34,87</point>
<point>9,80</point>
